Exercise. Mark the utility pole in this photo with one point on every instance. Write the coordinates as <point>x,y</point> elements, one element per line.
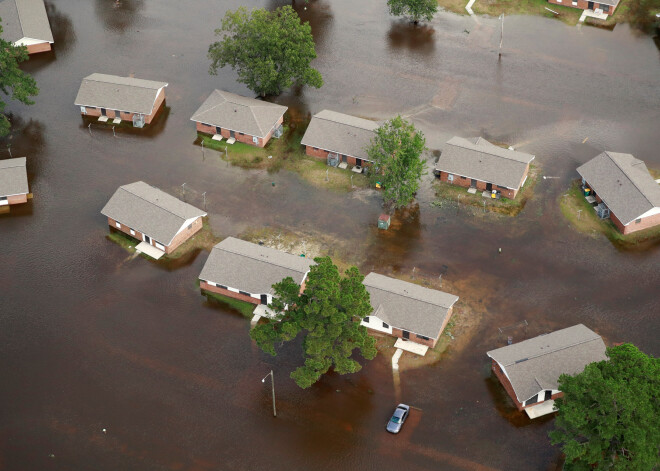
<point>183,187</point>
<point>502,34</point>
<point>9,150</point>
<point>204,195</point>
<point>272,382</point>
<point>579,211</point>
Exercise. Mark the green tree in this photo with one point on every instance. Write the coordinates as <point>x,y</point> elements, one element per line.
<point>327,314</point>
<point>14,83</point>
<point>396,153</point>
<point>270,50</point>
<point>414,9</point>
<point>608,417</point>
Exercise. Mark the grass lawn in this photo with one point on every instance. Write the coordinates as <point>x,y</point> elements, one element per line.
<point>514,7</point>
<point>451,193</point>
<point>287,153</point>
<point>245,309</point>
<point>590,223</point>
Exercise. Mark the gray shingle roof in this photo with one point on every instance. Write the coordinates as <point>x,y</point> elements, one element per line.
<point>118,93</point>
<point>623,183</point>
<point>149,210</point>
<point>238,113</point>
<point>25,19</point>
<point>252,268</point>
<point>408,306</point>
<point>479,159</point>
<point>536,364</point>
<point>607,2</point>
<point>13,177</point>
<point>341,133</point>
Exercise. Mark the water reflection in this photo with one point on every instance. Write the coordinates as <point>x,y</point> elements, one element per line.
<point>119,15</point>
<point>415,38</point>
<point>64,34</point>
<point>318,13</point>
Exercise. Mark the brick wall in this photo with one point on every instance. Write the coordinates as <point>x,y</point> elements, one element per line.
<point>481,185</point>
<point>505,382</point>
<point>184,235</point>
<point>125,116</point>
<point>225,292</point>
<point>584,5</point>
<point>160,99</point>
<point>396,332</point>
<point>36,48</point>
<point>244,138</point>
<point>645,223</point>
<point>323,154</point>
<point>17,199</point>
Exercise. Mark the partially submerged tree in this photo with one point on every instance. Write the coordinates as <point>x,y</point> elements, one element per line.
<point>327,314</point>
<point>270,50</point>
<point>608,417</point>
<point>396,153</point>
<point>14,83</point>
<point>416,10</point>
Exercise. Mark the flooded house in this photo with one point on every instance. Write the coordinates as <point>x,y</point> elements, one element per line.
<point>225,115</point>
<point>620,187</point>
<point>160,221</point>
<point>406,310</point>
<point>110,97</point>
<point>338,138</point>
<point>13,182</point>
<point>530,370</point>
<point>601,8</point>
<point>478,164</point>
<point>25,23</point>
<point>247,272</point>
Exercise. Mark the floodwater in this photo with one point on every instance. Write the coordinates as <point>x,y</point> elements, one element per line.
<point>92,339</point>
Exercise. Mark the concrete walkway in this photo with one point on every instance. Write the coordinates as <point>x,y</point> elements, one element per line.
<point>395,359</point>
<point>149,250</point>
<point>544,408</point>
<point>592,14</point>
<point>468,7</point>
<point>412,347</point>
<point>262,311</point>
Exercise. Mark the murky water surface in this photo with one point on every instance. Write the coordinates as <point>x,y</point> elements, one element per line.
<point>91,339</point>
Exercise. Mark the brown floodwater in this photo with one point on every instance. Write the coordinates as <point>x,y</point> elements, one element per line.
<point>92,338</point>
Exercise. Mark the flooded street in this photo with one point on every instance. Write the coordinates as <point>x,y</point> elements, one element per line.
<point>91,339</point>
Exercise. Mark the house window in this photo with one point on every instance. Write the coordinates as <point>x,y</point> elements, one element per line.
<point>385,326</point>
<point>255,139</point>
<point>422,337</point>
<point>244,293</point>
<point>132,231</point>
<point>118,225</point>
<point>204,124</point>
<point>190,226</point>
<point>532,400</point>
<point>637,221</point>
<point>606,8</point>
<point>366,319</point>
<point>241,134</point>
<point>316,148</point>
<point>450,177</point>
<point>220,286</point>
<point>159,245</point>
<point>574,4</point>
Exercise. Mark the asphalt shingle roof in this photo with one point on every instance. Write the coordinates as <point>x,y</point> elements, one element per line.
<point>340,133</point>
<point>25,19</point>
<point>118,93</point>
<point>536,364</point>
<point>479,159</point>
<point>623,183</point>
<point>238,113</point>
<point>13,177</point>
<point>149,210</point>
<point>408,306</point>
<point>251,267</point>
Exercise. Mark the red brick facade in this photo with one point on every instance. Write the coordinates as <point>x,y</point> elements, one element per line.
<point>231,294</point>
<point>36,48</point>
<point>413,337</point>
<point>179,239</point>
<point>17,199</point>
<point>495,367</point>
<point>323,154</point>
<point>466,182</point>
<point>239,136</point>
<point>126,116</point>
<point>584,5</point>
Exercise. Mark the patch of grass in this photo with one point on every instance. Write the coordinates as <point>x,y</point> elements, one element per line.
<point>242,307</point>
<point>521,7</point>
<point>321,175</point>
<point>458,194</point>
<point>123,240</point>
<point>204,239</point>
<point>588,222</point>
<point>455,6</point>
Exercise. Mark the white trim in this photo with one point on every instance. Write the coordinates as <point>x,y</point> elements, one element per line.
<point>649,213</point>
<point>31,42</point>
<point>15,194</point>
<point>186,224</point>
<point>376,323</point>
<point>337,152</point>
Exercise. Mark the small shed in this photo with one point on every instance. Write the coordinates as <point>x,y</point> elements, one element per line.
<point>384,221</point>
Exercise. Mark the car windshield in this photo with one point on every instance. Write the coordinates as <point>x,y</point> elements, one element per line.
<point>395,419</point>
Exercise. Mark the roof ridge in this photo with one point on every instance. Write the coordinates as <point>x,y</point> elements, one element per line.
<point>256,120</point>
<point>157,205</point>
<point>113,83</point>
<point>628,176</point>
<point>409,296</point>
<point>491,153</point>
<point>346,124</point>
<point>555,350</point>
<point>18,13</point>
<point>258,259</point>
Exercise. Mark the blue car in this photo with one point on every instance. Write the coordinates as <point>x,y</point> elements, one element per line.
<point>398,418</point>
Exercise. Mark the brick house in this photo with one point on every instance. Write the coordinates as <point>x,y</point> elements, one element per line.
<point>624,185</point>
<point>605,6</point>
<point>13,181</point>
<point>122,98</point>
<point>343,136</point>
<point>25,23</point>
<point>152,216</point>
<point>406,310</point>
<point>247,120</point>
<point>476,163</point>
<point>246,271</point>
<point>530,370</point>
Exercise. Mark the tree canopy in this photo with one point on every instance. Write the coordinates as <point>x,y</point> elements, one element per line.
<point>608,417</point>
<point>416,10</point>
<point>270,50</point>
<point>327,314</point>
<point>14,83</point>
<point>396,152</point>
